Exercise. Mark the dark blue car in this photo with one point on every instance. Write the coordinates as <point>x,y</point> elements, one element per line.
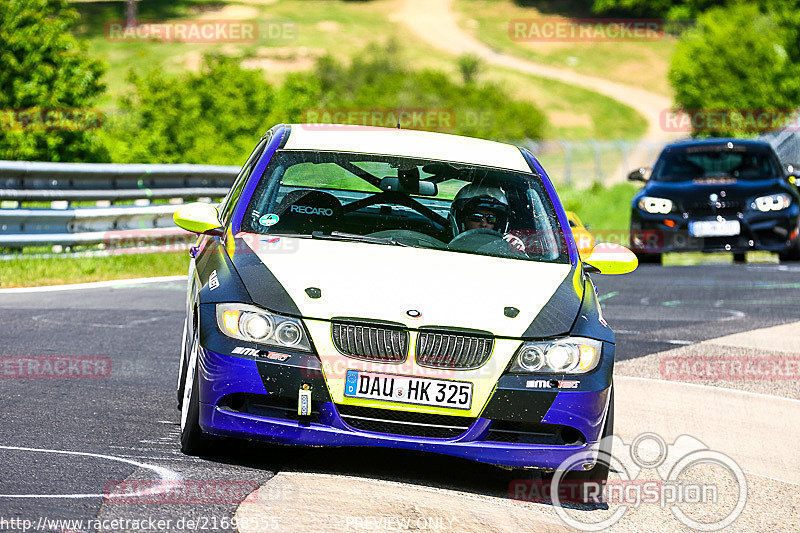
<point>716,195</point>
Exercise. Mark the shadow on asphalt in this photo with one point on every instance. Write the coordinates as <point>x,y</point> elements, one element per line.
<point>423,469</point>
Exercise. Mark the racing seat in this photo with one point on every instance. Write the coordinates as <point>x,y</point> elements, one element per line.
<point>304,211</point>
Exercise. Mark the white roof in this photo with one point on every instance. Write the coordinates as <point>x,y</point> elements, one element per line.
<point>405,143</point>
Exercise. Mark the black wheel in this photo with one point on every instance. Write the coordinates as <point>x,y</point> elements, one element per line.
<point>580,484</point>
<point>792,253</point>
<point>648,259</point>
<point>740,258</point>
<point>193,441</point>
<point>182,364</point>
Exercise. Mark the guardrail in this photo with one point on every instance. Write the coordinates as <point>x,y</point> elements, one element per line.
<point>115,226</point>
<point>786,143</point>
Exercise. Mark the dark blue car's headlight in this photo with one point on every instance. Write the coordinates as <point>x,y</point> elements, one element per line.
<point>654,205</point>
<point>773,202</point>
<point>253,324</point>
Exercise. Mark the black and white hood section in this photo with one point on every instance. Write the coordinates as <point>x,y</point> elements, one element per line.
<point>415,287</point>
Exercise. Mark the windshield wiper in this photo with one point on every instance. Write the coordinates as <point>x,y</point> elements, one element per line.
<point>341,236</point>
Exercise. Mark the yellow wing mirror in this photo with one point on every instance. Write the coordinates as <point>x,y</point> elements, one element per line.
<point>198,217</point>
<point>610,258</point>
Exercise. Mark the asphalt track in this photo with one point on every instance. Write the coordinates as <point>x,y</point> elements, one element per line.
<point>64,442</point>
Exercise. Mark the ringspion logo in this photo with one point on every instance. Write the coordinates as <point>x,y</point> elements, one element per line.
<point>683,477</point>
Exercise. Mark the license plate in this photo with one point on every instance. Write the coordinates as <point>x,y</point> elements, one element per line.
<point>407,389</point>
<point>714,228</point>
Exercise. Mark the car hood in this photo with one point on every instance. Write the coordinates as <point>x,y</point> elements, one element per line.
<point>384,282</point>
<point>728,189</point>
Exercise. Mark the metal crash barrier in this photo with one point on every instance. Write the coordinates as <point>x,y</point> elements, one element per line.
<point>112,206</point>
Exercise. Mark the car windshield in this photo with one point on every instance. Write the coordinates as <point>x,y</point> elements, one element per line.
<point>715,161</point>
<point>401,201</point>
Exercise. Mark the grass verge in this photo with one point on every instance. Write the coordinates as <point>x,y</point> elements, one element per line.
<point>33,272</point>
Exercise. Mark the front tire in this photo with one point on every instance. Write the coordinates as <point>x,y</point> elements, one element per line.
<point>182,364</point>
<point>598,475</point>
<point>193,441</point>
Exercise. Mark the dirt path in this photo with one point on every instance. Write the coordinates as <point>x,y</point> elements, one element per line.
<point>436,23</point>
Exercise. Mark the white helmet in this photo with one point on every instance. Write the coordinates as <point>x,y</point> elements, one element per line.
<point>475,196</point>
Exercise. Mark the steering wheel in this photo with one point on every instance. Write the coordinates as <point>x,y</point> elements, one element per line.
<point>412,237</point>
<point>486,241</point>
<point>475,239</point>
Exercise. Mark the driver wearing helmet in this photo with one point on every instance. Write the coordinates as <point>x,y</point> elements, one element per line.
<point>482,207</point>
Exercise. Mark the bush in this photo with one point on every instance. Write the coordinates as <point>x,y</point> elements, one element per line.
<point>378,79</point>
<point>734,59</point>
<point>211,117</point>
<point>46,74</point>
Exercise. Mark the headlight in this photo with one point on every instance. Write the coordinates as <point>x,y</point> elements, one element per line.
<point>773,202</point>
<point>571,355</point>
<point>655,205</point>
<point>252,324</point>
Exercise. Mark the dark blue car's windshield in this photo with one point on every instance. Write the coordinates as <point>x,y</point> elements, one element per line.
<point>715,161</point>
<point>414,202</point>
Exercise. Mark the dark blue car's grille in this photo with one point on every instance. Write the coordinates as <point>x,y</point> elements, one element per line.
<point>723,208</point>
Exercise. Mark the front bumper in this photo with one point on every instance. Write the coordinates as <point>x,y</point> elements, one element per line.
<point>771,232</point>
<point>257,399</point>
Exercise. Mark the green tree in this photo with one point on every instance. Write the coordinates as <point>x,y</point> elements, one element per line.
<point>470,66</point>
<point>47,85</point>
<point>734,59</point>
<point>212,117</point>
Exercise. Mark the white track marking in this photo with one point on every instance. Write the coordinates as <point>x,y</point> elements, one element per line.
<point>166,475</point>
<point>92,285</point>
<point>47,320</point>
<point>734,314</point>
